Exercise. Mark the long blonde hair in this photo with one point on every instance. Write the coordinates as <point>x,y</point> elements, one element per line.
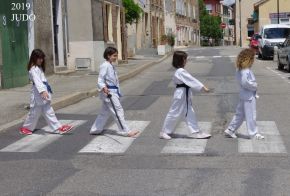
<point>245,59</point>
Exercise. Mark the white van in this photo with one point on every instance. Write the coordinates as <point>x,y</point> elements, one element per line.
<point>270,36</point>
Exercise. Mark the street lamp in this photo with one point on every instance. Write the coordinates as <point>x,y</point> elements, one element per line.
<point>240,10</point>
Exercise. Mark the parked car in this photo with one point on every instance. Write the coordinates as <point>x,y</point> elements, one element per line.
<point>271,35</point>
<point>284,55</point>
<point>254,42</point>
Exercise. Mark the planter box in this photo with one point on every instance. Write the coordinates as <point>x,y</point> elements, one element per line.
<point>163,49</point>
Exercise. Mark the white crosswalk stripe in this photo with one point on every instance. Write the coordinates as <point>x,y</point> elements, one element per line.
<point>272,143</point>
<point>37,141</point>
<point>111,142</point>
<point>186,145</point>
<point>208,57</point>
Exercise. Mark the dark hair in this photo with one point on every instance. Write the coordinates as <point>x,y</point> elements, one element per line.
<point>179,58</point>
<point>109,51</point>
<point>36,54</point>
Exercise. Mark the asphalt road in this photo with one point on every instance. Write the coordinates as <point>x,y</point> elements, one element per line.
<point>81,164</point>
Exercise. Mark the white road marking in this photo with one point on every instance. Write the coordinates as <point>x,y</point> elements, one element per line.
<point>272,143</point>
<point>37,141</point>
<point>283,76</point>
<point>199,57</point>
<point>184,145</point>
<point>111,142</point>
<point>202,57</point>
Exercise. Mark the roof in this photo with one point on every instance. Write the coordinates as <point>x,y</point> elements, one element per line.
<point>260,3</point>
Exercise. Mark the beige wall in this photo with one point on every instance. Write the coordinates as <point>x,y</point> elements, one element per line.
<point>270,7</point>
<point>247,8</point>
<point>80,20</point>
<point>80,29</point>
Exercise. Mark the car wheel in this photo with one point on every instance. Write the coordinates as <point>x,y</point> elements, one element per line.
<point>263,57</point>
<point>280,66</point>
<point>259,55</point>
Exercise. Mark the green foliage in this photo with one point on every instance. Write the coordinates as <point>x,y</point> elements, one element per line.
<point>132,11</point>
<point>171,39</point>
<point>209,25</point>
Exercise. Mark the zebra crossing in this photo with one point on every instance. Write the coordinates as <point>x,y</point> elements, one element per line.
<point>272,143</point>
<point>110,142</point>
<point>184,144</point>
<point>37,141</point>
<point>211,57</point>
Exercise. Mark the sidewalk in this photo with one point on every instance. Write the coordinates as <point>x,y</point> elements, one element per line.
<point>68,89</point>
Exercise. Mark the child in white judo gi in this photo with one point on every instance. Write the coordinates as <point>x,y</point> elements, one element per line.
<point>181,106</point>
<point>109,87</point>
<point>246,109</point>
<point>40,98</point>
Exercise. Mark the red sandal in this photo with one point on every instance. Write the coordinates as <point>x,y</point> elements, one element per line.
<point>25,131</point>
<point>65,129</point>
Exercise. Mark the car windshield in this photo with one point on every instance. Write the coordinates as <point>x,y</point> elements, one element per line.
<point>276,33</point>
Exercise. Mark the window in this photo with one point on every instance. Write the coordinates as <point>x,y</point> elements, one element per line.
<point>208,8</point>
<point>276,33</point>
<point>178,7</point>
<point>184,9</point>
<point>285,21</point>
<point>250,30</point>
<point>193,12</point>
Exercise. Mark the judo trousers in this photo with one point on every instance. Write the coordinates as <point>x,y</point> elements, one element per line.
<point>107,111</point>
<point>48,113</point>
<point>178,111</point>
<point>246,110</point>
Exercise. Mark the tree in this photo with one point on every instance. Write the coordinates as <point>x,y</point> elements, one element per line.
<point>132,11</point>
<point>209,25</point>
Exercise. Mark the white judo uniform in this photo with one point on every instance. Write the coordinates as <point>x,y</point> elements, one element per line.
<point>246,109</point>
<point>108,78</point>
<point>38,105</point>
<point>181,106</point>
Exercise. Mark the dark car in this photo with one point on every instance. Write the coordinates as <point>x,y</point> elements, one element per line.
<point>254,42</point>
<point>284,55</point>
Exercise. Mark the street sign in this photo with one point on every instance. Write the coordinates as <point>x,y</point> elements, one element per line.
<point>223,25</point>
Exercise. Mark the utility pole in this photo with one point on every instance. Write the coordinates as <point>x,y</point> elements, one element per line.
<point>278,11</point>
<point>240,11</point>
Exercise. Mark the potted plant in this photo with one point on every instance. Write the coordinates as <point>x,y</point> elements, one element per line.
<point>171,39</point>
<point>162,48</point>
<point>163,40</point>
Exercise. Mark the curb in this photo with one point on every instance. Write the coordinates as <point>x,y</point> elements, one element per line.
<point>77,97</point>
